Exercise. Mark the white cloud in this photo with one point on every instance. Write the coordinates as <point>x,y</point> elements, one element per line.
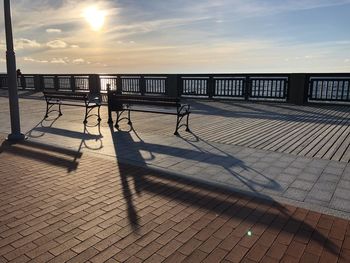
<point>347,60</point>
<point>78,61</point>
<point>58,61</point>
<point>53,30</point>
<point>29,59</point>
<point>74,46</point>
<point>23,43</point>
<point>56,44</point>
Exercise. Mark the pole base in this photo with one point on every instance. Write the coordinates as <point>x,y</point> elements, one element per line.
<point>16,137</point>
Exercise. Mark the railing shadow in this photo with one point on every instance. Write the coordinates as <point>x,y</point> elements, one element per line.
<point>201,195</point>
<point>275,111</point>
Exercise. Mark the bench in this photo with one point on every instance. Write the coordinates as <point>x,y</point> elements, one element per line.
<point>69,98</point>
<point>152,104</point>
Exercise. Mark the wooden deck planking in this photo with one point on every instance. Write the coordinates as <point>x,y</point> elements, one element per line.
<point>331,138</point>
<point>309,136</point>
<point>313,131</point>
<point>346,155</point>
<point>337,141</point>
<point>288,129</point>
<point>274,136</point>
<point>314,145</point>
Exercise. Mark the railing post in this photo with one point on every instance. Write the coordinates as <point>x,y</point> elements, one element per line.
<point>298,88</point>
<point>119,84</point>
<point>94,84</point>
<point>72,83</point>
<point>23,82</point>
<point>211,87</point>
<point>38,81</point>
<point>56,83</point>
<point>142,85</point>
<point>171,85</point>
<point>247,88</point>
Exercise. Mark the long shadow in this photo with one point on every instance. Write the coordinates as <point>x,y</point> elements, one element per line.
<point>55,155</point>
<point>122,137</point>
<point>251,184</point>
<point>227,161</point>
<point>49,154</point>
<point>216,199</point>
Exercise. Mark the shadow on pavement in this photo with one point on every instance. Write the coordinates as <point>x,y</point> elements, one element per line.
<point>254,212</point>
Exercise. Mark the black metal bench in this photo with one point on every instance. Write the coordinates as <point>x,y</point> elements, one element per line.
<point>153,104</point>
<point>79,99</point>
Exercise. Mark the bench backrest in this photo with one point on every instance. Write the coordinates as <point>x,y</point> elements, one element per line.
<point>116,100</point>
<point>66,95</point>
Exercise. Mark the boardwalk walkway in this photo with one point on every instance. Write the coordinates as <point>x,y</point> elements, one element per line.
<point>54,210</point>
<point>89,194</point>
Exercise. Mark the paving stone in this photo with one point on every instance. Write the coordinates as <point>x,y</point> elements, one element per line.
<point>295,194</point>
<point>340,204</point>
<point>327,177</point>
<point>287,178</point>
<point>325,186</point>
<point>320,194</point>
<point>303,185</point>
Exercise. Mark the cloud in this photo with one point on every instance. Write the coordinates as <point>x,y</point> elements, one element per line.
<point>58,61</point>
<point>29,59</point>
<point>23,43</point>
<point>74,46</point>
<point>78,61</point>
<point>56,44</point>
<point>53,30</point>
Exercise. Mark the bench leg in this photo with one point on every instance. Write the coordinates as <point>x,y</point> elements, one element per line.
<point>110,120</point>
<point>117,121</point>
<point>177,124</point>
<point>86,114</point>
<point>47,110</point>
<point>59,110</point>
<point>187,127</point>
<point>129,118</point>
<point>98,112</point>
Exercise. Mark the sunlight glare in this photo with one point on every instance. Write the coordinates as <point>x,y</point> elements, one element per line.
<point>95,18</point>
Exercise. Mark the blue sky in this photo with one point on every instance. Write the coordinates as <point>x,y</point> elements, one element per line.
<point>181,36</point>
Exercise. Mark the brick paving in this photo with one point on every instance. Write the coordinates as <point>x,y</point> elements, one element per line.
<point>304,181</point>
<point>57,205</point>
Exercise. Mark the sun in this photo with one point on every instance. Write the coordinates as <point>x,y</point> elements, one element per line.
<point>95,17</point>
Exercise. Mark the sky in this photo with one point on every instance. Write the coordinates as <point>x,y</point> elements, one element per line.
<point>179,36</point>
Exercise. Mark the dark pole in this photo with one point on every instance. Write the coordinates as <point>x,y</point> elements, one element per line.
<point>16,134</point>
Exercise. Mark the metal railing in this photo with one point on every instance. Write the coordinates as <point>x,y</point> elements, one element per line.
<point>294,88</point>
<point>230,87</point>
<point>269,88</point>
<point>329,89</point>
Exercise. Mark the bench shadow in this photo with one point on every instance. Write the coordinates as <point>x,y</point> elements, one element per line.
<point>257,210</point>
<point>251,184</point>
